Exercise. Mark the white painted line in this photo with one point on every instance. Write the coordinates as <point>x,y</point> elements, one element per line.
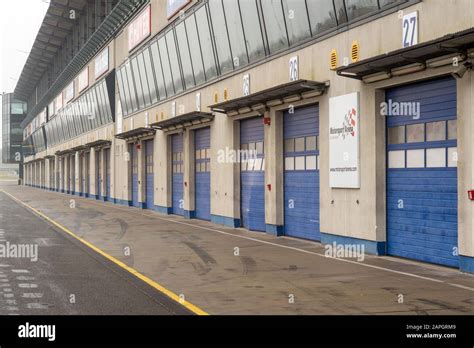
<point>8,295</point>
<point>25,278</point>
<point>27,285</point>
<point>32,295</point>
<point>20,271</point>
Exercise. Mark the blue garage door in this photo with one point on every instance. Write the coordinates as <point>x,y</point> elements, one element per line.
<point>134,162</point>
<point>107,174</point>
<point>203,173</point>
<point>422,175</point>
<point>178,170</point>
<point>98,168</point>
<point>252,174</point>
<point>301,131</point>
<point>150,181</point>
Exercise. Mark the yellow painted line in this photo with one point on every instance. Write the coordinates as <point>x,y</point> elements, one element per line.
<point>193,308</point>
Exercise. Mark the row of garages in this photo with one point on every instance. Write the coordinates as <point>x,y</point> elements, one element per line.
<point>421,175</point>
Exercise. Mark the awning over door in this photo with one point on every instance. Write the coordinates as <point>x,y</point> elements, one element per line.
<point>292,91</point>
<point>136,134</point>
<point>185,120</point>
<point>432,53</point>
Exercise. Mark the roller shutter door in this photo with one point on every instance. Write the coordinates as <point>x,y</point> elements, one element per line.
<point>150,181</point>
<point>134,162</point>
<point>178,170</point>
<point>422,174</point>
<point>252,174</point>
<point>203,173</point>
<point>301,179</point>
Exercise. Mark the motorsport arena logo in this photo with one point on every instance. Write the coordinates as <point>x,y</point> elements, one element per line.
<point>19,251</point>
<point>348,125</point>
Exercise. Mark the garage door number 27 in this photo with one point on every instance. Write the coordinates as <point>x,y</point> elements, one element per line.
<point>410,29</point>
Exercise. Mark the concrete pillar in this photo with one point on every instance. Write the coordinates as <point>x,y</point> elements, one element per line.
<point>56,173</point>
<point>225,187</point>
<point>189,174</point>
<point>465,153</point>
<point>93,174</point>
<point>274,166</point>
<point>77,172</point>
<point>163,172</point>
<point>141,173</point>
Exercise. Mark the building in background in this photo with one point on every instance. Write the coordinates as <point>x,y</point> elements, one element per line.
<point>14,112</point>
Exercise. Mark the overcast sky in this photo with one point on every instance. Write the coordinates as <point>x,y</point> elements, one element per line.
<point>20,21</point>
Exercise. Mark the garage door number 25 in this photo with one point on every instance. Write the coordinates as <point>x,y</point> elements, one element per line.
<point>410,29</point>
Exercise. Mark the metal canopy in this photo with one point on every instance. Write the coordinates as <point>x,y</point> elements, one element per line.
<point>296,88</point>
<point>110,26</point>
<point>184,120</point>
<point>136,133</point>
<point>453,43</point>
<point>79,148</point>
<point>63,152</point>
<point>98,143</point>
<point>51,36</point>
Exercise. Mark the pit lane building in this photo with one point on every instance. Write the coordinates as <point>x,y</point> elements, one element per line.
<point>333,120</point>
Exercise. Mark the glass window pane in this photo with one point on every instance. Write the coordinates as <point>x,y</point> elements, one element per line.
<point>206,43</point>
<point>182,39</point>
<point>150,75</point>
<point>297,20</point>
<point>299,144</point>
<point>100,105</point>
<point>359,8</point>
<point>311,143</point>
<point>396,159</point>
<point>452,130</point>
<point>252,29</point>
<point>274,25</point>
<point>311,163</point>
<point>138,83</point>
<point>236,33</point>
<point>340,11</point>
<point>436,131</point>
<point>321,15</point>
<point>195,49</point>
<point>174,61</point>
<point>158,71</point>
<point>128,80</point>
<point>220,36</point>
<point>396,135</point>
<point>435,158</point>
<point>107,108</point>
<point>415,158</point>
<point>300,162</point>
<point>165,63</point>
<point>416,133</point>
<point>121,91</point>
<point>290,145</point>
<point>144,78</point>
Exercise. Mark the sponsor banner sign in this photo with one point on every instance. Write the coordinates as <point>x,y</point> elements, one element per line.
<point>140,28</point>
<point>101,63</point>
<point>344,167</point>
<point>83,79</point>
